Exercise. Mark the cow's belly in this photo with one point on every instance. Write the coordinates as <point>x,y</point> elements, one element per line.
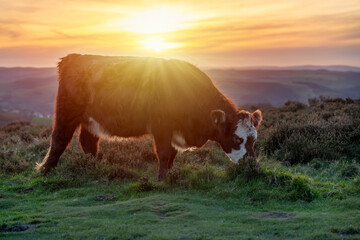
<point>178,141</point>
<point>95,128</point>
<point>112,128</point>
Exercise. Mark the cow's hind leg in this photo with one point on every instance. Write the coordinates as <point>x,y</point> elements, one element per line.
<point>89,142</point>
<point>172,157</point>
<point>61,136</point>
<point>164,151</point>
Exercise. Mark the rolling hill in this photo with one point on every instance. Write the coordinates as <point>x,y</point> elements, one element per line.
<point>275,87</point>
<point>31,91</point>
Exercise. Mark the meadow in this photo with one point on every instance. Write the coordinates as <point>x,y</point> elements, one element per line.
<point>304,184</point>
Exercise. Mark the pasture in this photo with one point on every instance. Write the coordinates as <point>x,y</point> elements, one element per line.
<point>305,184</point>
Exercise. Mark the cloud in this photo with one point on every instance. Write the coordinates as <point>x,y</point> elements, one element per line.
<point>211,28</point>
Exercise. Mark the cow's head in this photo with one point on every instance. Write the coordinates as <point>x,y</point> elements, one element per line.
<point>237,134</point>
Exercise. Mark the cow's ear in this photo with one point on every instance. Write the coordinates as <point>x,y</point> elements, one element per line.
<point>256,118</point>
<point>218,117</point>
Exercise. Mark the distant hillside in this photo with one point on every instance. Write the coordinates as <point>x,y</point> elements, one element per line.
<point>337,68</point>
<point>31,91</point>
<point>277,86</point>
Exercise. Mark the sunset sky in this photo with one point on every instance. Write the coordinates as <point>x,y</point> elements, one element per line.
<point>206,33</point>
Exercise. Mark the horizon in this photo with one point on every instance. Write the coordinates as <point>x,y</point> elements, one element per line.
<point>253,67</point>
<point>229,34</point>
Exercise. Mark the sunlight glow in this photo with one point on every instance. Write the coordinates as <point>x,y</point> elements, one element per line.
<point>157,43</point>
<point>156,20</point>
<point>210,33</point>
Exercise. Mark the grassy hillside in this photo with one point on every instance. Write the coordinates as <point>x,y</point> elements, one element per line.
<point>305,184</point>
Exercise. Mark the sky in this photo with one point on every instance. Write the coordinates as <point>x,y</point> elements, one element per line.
<point>207,33</point>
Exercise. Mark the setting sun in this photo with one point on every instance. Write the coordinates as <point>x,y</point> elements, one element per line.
<point>152,26</point>
<point>209,33</point>
<point>156,20</point>
<point>157,43</point>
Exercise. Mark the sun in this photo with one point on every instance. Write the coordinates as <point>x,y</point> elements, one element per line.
<point>156,20</point>
<point>153,26</point>
<point>157,43</point>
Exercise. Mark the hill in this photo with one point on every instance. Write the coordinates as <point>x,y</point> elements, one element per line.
<point>335,68</point>
<point>275,87</point>
<point>31,91</point>
<point>28,91</point>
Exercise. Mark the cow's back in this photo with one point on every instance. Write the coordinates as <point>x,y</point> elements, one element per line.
<point>124,91</point>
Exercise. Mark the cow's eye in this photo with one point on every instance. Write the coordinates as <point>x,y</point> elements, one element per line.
<point>238,140</point>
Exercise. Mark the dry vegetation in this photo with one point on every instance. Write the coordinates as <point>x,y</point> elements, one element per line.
<point>305,153</point>
<point>324,134</point>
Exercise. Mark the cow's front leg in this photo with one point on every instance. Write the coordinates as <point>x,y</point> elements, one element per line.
<point>164,151</point>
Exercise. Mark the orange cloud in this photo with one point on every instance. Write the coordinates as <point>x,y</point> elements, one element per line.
<point>201,31</point>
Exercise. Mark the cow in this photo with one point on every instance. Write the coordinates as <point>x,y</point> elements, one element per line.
<point>124,96</point>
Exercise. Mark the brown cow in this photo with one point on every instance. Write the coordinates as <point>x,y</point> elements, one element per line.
<point>133,96</point>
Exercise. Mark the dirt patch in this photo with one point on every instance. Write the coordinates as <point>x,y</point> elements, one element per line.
<point>25,190</point>
<point>17,228</point>
<point>278,215</point>
<point>104,197</point>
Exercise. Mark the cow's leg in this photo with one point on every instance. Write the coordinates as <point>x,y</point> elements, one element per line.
<point>60,138</point>
<point>172,157</point>
<point>68,116</point>
<point>89,142</point>
<point>163,150</point>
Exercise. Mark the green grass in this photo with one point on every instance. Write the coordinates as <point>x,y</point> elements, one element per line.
<point>66,210</point>
<point>204,196</point>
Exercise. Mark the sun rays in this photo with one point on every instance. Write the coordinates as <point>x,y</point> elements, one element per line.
<point>152,27</point>
<point>157,43</point>
<point>216,33</point>
<point>155,20</point>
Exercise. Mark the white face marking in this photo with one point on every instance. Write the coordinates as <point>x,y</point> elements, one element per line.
<point>178,141</point>
<point>243,130</point>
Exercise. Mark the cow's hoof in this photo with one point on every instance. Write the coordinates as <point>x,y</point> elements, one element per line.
<point>161,177</point>
<point>42,169</point>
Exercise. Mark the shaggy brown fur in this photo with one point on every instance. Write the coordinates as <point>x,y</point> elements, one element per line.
<point>133,96</point>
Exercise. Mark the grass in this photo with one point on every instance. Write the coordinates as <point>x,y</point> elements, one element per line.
<point>205,196</point>
<point>71,213</point>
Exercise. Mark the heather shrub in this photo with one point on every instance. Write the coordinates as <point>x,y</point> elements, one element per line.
<point>300,144</point>
<point>329,133</point>
<point>292,106</point>
<point>211,153</point>
<point>131,152</point>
